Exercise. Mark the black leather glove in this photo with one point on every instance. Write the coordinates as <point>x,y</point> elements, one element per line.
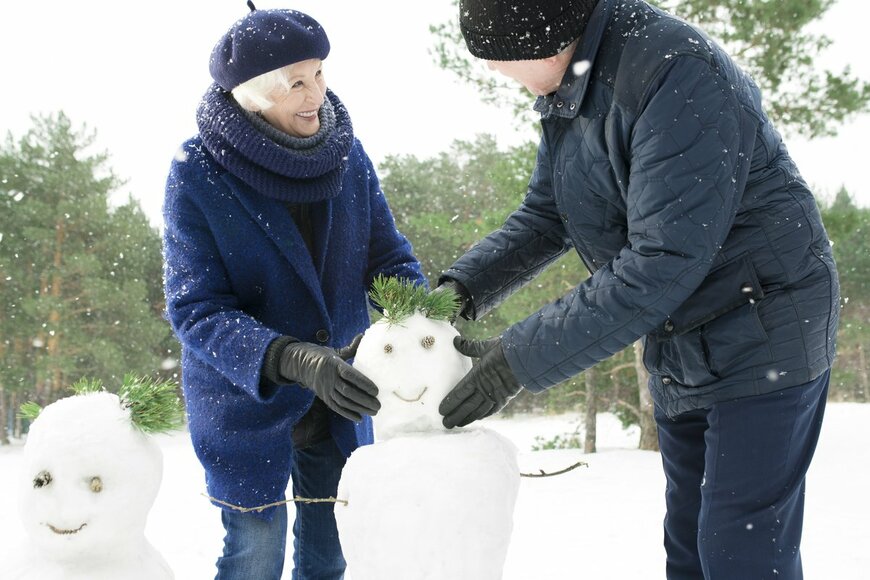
<point>459,290</point>
<point>325,371</point>
<point>487,387</point>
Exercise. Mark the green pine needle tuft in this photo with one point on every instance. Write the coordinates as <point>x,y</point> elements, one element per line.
<point>399,299</point>
<point>30,411</point>
<point>154,406</point>
<point>85,386</point>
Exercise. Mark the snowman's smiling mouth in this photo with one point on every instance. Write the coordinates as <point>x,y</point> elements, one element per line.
<point>412,400</point>
<point>65,532</point>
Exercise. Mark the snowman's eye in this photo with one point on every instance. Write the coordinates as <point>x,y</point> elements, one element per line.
<point>42,479</point>
<point>428,341</point>
<point>96,484</point>
<point>388,348</point>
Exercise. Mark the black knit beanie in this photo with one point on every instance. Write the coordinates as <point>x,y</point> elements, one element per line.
<point>522,29</point>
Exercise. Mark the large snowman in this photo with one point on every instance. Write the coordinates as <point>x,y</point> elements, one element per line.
<point>91,474</point>
<point>423,502</point>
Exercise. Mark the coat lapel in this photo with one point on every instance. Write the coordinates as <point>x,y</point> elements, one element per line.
<point>278,225</point>
<point>321,222</point>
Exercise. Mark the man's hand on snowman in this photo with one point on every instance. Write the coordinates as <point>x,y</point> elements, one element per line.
<point>449,284</point>
<point>487,387</point>
<point>325,371</point>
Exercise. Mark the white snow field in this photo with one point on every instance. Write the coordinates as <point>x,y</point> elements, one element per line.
<point>601,522</point>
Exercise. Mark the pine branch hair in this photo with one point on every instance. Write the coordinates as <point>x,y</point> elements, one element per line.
<point>400,299</point>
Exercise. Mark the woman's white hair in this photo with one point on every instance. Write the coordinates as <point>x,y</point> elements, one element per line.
<point>257,94</point>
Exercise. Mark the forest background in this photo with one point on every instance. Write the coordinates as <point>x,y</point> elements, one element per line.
<point>81,271</point>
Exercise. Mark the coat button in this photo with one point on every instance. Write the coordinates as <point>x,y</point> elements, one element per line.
<point>321,335</point>
<point>747,288</point>
<point>666,380</point>
<point>669,325</point>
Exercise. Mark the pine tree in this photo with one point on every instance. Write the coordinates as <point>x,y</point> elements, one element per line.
<point>80,280</point>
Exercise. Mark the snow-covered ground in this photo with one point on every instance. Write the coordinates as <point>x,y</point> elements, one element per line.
<point>601,522</point>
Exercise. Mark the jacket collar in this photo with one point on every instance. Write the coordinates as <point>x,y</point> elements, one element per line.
<point>565,102</point>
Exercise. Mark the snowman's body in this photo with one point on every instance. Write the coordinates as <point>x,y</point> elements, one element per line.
<point>143,562</point>
<point>424,503</point>
<point>90,478</point>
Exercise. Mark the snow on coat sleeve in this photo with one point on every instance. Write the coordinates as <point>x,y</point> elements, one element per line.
<point>200,304</point>
<point>689,162</point>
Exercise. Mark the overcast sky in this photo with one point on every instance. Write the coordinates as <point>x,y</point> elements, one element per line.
<point>135,76</point>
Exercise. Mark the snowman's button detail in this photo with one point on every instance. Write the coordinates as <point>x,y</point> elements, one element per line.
<point>388,348</point>
<point>428,341</point>
<point>322,335</point>
<point>96,484</point>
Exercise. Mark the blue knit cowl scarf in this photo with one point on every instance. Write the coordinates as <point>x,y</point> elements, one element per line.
<point>244,146</point>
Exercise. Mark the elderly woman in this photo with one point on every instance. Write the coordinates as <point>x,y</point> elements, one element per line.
<point>275,227</point>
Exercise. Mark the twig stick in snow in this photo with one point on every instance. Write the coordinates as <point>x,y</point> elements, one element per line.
<point>260,508</point>
<point>560,472</point>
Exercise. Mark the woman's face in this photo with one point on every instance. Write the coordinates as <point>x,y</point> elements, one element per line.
<point>295,112</point>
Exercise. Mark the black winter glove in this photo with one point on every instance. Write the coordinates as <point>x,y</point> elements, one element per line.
<point>487,387</point>
<point>325,371</point>
<point>459,290</point>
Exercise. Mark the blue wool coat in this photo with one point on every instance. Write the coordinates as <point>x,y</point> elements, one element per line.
<point>660,168</point>
<point>237,276</point>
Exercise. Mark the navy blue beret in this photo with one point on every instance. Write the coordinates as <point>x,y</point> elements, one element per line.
<point>263,41</point>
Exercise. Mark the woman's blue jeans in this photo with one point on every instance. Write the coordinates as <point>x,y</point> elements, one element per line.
<point>254,547</point>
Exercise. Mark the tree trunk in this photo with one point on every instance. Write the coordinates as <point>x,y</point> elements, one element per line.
<point>863,379</point>
<point>53,345</point>
<point>649,440</point>
<point>16,424</point>
<point>4,419</point>
<point>589,419</point>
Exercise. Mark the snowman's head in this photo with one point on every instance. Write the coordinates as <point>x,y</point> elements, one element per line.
<point>414,364</point>
<point>90,478</point>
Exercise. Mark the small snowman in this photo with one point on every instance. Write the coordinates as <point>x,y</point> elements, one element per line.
<point>422,502</point>
<point>91,475</point>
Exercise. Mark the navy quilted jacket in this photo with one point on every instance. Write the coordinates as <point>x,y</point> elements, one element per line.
<point>659,167</point>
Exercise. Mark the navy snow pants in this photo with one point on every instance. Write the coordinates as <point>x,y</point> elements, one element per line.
<point>735,477</point>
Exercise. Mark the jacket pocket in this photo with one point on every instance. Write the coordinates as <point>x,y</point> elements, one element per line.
<point>727,287</point>
<point>715,331</point>
<point>679,358</point>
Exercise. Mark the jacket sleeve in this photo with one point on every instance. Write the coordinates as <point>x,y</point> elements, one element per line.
<point>690,152</point>
<point>390,252</point>
<point>200,304</point>
<point>531,238</point>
